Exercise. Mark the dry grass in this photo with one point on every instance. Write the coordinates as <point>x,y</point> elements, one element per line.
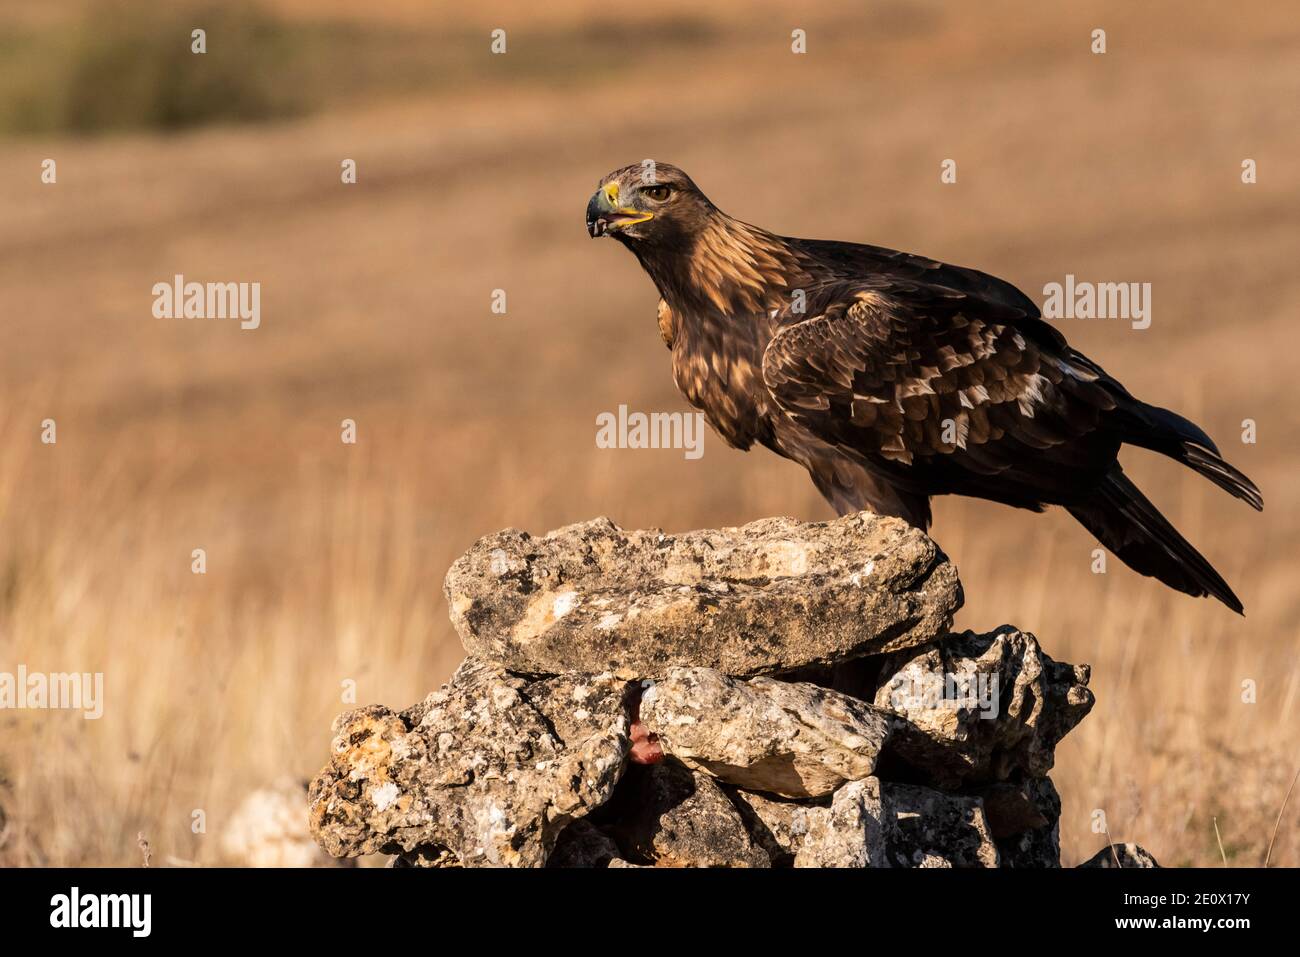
<point>325,561</point>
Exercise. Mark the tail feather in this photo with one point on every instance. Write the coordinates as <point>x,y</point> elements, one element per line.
<point>1126,522</point>
<point>1151,427</point>
<point>1218,471</point>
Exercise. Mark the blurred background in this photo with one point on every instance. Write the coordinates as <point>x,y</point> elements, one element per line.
<point>325,560</point>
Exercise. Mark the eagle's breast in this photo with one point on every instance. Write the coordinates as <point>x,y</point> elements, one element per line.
<point>718,369</point>
<point>718,313</point>
<point>666,323</point>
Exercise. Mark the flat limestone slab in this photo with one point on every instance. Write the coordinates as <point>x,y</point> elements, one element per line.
<point>765,598</point>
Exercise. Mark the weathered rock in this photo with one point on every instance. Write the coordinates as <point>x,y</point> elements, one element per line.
<point>426,856</point>
<point>795,740</point>
<point>981,708</point>
<point>1014,808</point>
<point>852,832</point>
<point>492,767</point>
<point>856,678</point>
<point>582,844</point>
<point>1024,819</point>
<point>1121,855</point>
<point>934,829</point>
<point>771,596</point>
<point>679,818</point>
<point>871,823</point>
<point>782,694</point>
<point>776,825</point>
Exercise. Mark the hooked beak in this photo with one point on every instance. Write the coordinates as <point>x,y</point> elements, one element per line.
<point>605,214</point>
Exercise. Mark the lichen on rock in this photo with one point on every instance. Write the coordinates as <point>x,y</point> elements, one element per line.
<point>783,694</point>
<point>980,708</point>
<point>794,740</point>
<point>491,767</point>
<point>761,599</point>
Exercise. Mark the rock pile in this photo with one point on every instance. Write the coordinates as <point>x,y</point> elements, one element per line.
<point>782,694</point>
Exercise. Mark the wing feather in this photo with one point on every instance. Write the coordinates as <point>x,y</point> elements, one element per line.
<point>942,391</point>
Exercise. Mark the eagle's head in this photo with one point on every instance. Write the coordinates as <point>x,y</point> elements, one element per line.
<point>699,258</point>
<point>648,205</point>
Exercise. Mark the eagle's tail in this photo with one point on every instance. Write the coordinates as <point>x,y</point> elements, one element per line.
<point>1151,427</point>
<point>1128,524</point>
<point>1209,463</point>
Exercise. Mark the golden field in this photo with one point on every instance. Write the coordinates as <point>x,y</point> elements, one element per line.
<point>325,560</point>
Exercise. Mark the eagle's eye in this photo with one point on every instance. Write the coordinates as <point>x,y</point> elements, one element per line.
<point>657,193</point>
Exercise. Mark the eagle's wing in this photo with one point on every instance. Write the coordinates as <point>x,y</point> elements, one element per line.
<point>944,390</point>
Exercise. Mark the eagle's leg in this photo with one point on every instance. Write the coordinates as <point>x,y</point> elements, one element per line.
<point>850,488</point>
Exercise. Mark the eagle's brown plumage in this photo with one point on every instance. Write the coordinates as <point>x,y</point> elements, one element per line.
<point>892,378</point>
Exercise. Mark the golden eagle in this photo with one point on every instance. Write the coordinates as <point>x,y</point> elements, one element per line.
<point>891,377</point>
